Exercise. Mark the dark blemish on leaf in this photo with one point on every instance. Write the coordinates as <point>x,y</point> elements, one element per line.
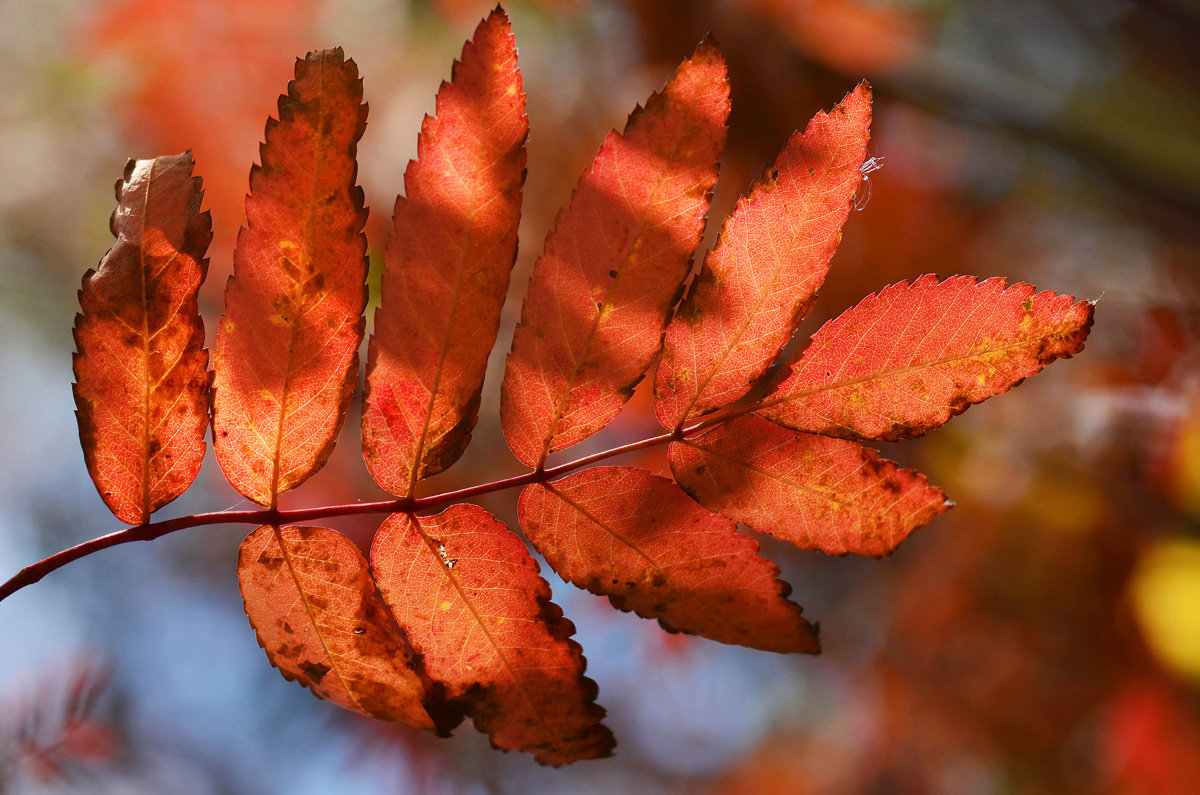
<point>873,464</point>
<point>314,671</point>
<point>359,630</point>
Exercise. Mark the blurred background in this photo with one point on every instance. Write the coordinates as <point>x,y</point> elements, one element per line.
<point>1043,637</point>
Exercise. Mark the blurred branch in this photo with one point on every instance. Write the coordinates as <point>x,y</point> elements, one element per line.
<point>946,101</point>
<point>1178,13</point>
<point>930,91</point>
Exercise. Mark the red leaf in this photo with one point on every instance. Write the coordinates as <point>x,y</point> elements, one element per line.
<point>819,493</point>
<point>452,246</point>
<point>1148,737</point>
<point>141,369</point>
<point>310,598</point>
<point>287,351</point>
<point>761,278</point>
<point>612,269</point>
<point>471,600</point>
<point>54,730</point>
<point>637,539</point>
<point>904,361</point>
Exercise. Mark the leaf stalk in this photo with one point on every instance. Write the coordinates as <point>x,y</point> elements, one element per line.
<point>151,530</point>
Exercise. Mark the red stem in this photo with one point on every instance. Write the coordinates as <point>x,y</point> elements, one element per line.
<point>152,530</point>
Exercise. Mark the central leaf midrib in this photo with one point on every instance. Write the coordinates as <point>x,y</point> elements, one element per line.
<point>312,619</point>
<point>495,644</point>
<point>787,480</point>
<point>689,595</point>
<point>427,419</point>
<point>147,441</point>
<point>1061,332</point>
<point>735,339</point>
<point>623,262</point>
<point>285,394</point>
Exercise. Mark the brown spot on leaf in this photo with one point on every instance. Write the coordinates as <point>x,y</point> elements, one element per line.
<point>314,671</point>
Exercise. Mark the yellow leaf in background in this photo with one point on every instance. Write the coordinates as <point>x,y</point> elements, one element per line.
<point>1165,592</point>
<point>1187,462</point>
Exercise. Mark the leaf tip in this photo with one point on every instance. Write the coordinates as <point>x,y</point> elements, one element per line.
<point>333,53</point>
<point>708,49</point>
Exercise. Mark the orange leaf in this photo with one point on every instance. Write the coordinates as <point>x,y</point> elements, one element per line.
<point>638,539</point>
<point>612,269</point>
<point>141,369</point>
<point>853,36</point>
<point>904,361</point>
<point>446,267</point>
<point>761,278</point>
<point>287,351</point>
<point>471,600</point>
<point>310,598</point>
<point>819,493</point>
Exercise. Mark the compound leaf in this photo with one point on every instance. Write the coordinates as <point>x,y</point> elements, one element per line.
<point>453,243</point>
<point>470,597</point>
<point>638,539</point>
<point>286,362</point>
<point>141,370</point>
